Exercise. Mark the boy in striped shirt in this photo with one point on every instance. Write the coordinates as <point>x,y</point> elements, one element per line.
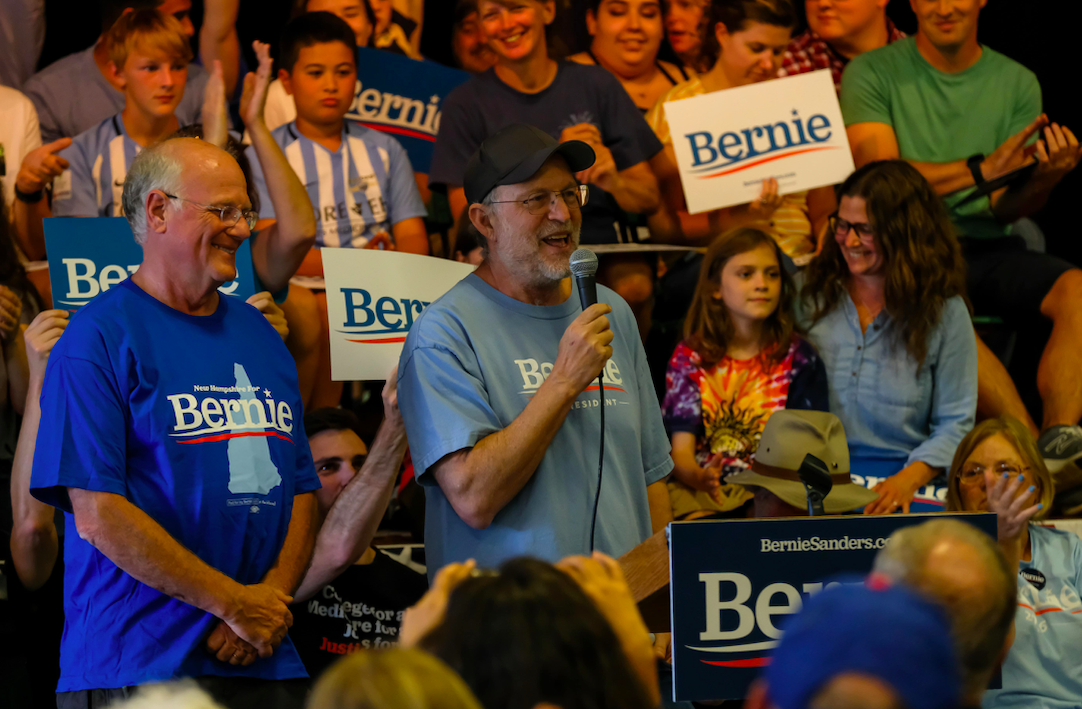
<point>149,55</point>
<point>360,181</point>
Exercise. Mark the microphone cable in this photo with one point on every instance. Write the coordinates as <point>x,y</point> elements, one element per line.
<point>600,456</point>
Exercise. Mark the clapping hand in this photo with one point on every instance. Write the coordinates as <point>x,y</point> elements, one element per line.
<point>254,95</point>
<point>42,334</point>
<point>1010,503</point>
<point>1057,154</point>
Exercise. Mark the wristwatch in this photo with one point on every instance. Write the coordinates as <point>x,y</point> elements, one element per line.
<point>29,197</point>
<point>974,164</point>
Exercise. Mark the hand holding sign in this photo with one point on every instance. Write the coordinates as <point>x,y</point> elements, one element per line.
<point>763,206</point>
<point>42,334</point>
<point>41,165</point>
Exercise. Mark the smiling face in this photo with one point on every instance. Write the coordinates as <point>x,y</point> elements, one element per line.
<point>861,251</point>
<point>322,82</point>
<point>947,24</point>
<point>997,454</point>
<point>201,246</point>
<point>153,82</point>
<point>836,19</point>
<point>535,249</point>
<point>352,11</point>
<point>682,21</point>
<point>471,49</point>
<point>338,455</point>
<point>627,33</point>
<point>751,284</point>
<point>516,28</point>
<point>752,54</point>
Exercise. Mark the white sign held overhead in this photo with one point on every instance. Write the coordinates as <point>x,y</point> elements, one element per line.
<point>728,142</point>
<point>373,297</point>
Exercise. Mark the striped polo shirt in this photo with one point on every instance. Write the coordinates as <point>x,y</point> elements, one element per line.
<point>98,162</point>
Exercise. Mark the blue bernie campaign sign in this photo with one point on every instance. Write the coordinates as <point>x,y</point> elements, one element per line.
<point>88,256</point>
<point>732,582</point>
<point>401,96</point>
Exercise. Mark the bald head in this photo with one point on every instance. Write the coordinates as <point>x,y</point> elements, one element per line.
<point>961,568</point>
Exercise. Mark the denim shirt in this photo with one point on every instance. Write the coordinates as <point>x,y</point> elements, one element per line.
<point>891,409</point>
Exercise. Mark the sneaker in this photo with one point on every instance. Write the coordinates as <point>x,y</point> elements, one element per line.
<point>1060,445</point>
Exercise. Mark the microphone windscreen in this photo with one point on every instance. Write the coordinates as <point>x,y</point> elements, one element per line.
<point>583,263</point>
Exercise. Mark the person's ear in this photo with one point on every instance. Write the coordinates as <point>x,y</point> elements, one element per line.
<point>549,11</point>
<point>155,205</point>
<point>721,33</point>
<point>591,22</point>
<point>116,76</point>
<point>287,81</point>
<point>482,221</point>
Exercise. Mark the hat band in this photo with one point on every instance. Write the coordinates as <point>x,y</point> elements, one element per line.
<point>772,471</point>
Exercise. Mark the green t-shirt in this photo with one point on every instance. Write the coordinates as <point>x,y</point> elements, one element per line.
<point>939,117</point>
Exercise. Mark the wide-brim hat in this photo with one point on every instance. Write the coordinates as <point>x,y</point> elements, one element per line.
<point>514,154</point>
<point>787,437</point>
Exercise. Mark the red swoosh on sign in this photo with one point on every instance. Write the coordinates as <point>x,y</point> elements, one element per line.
<point>225,436</point>
<point>769,159</point>
<point>385,341</point>
<point>750,662</point>
<point>400,131</point>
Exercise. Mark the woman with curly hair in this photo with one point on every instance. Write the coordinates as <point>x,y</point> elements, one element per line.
<point>884,304</point>
<point>739,362</point>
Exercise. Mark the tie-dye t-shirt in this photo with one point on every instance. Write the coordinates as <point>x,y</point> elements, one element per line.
<point>727,405</point>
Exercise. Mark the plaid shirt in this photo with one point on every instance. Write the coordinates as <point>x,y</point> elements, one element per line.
<point>810,52</point>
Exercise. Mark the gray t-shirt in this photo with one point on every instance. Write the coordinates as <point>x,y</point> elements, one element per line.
<point>470,364</point>
<point>72,96</point>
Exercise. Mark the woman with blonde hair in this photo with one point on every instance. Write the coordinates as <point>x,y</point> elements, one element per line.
<point>394,678</point>
<point>997,468</point>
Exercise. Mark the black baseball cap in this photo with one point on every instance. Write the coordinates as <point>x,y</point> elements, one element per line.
<point>514,154</point>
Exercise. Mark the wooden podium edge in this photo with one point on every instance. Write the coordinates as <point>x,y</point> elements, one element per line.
<point>646,568</point>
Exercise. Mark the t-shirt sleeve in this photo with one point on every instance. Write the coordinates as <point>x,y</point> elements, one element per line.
<point>406,202</point>
<point>266,209</point>
<point>82,442</point>
<point>1027,104</point>
<point>461,132</point>
<point>682,408</point>
<point>74,192</point>
<point>865,97</point>
<point>306,479</point>
<point>444,404</point>
<point>624,131</point>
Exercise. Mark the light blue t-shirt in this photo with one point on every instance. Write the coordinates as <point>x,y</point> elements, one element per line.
<point>1044,667</point>
<point>98,161</point>
<point>891,409</point>
<point>197,422</point>
<point>363,188</point>
<point>470,364</point>
<point>71,96</point>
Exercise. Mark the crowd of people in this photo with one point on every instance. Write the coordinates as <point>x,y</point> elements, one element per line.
<point>192,498</point>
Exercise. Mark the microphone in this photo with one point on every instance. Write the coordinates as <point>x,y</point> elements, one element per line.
<point>584,268</point>
<point>817,482</point>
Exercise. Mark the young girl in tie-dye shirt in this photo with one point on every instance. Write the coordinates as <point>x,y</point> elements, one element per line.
<point>740,361</point>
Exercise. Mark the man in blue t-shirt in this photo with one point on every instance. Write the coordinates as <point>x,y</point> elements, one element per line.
<point>171,437</point>
<point>497,381</point>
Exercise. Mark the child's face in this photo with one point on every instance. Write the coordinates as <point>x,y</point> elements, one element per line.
<point>322,82</point>
<point>153,82</point>
<point>751,284</point>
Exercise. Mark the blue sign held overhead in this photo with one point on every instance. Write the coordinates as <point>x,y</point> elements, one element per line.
<point>732,582</point>
<point>89,256</point>
<point>402,97</point>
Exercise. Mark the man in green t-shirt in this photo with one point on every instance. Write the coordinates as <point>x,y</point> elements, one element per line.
<point>963,115</point>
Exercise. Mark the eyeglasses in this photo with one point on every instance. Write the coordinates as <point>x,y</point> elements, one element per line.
<point>974,475</point>
<point>842,228</point>
<point>540,203</point>
<point>230,216</point>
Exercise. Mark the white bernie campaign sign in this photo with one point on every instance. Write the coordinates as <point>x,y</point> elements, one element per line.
<point>728,142</point>
<point>373,297</point>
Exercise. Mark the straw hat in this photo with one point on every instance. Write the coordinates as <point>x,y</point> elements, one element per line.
<point>789,436</point>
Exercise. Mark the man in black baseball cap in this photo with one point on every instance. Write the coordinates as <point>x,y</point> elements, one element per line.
<point>498,380</point>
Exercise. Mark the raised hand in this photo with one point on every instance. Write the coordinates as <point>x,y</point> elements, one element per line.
<point>41,165</point>
<point>261,617</point>
<point>427,613</point>
<point>264,303</point>
<point>768,200</point>
<point>11,310</point>
<point>254,95</point>
<point>215,117</point>
<point>1010,503</point>
<point>584,348</point>
<point>41,335</point>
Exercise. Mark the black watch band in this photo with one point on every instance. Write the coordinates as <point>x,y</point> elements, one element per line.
<point>29,197</point>
<point>974,164</point>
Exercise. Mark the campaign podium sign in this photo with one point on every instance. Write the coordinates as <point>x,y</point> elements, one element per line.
<point>401,96</point>
<point>88,256</point>
<point>373,297</point>
<point>727,142</point>
<point>732,582</point>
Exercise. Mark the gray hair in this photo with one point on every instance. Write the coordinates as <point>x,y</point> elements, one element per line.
<point>184,694</point>
<point>982,617</point>
<point>155,168</point>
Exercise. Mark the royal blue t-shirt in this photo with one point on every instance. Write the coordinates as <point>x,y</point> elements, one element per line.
<point>196,420</point>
